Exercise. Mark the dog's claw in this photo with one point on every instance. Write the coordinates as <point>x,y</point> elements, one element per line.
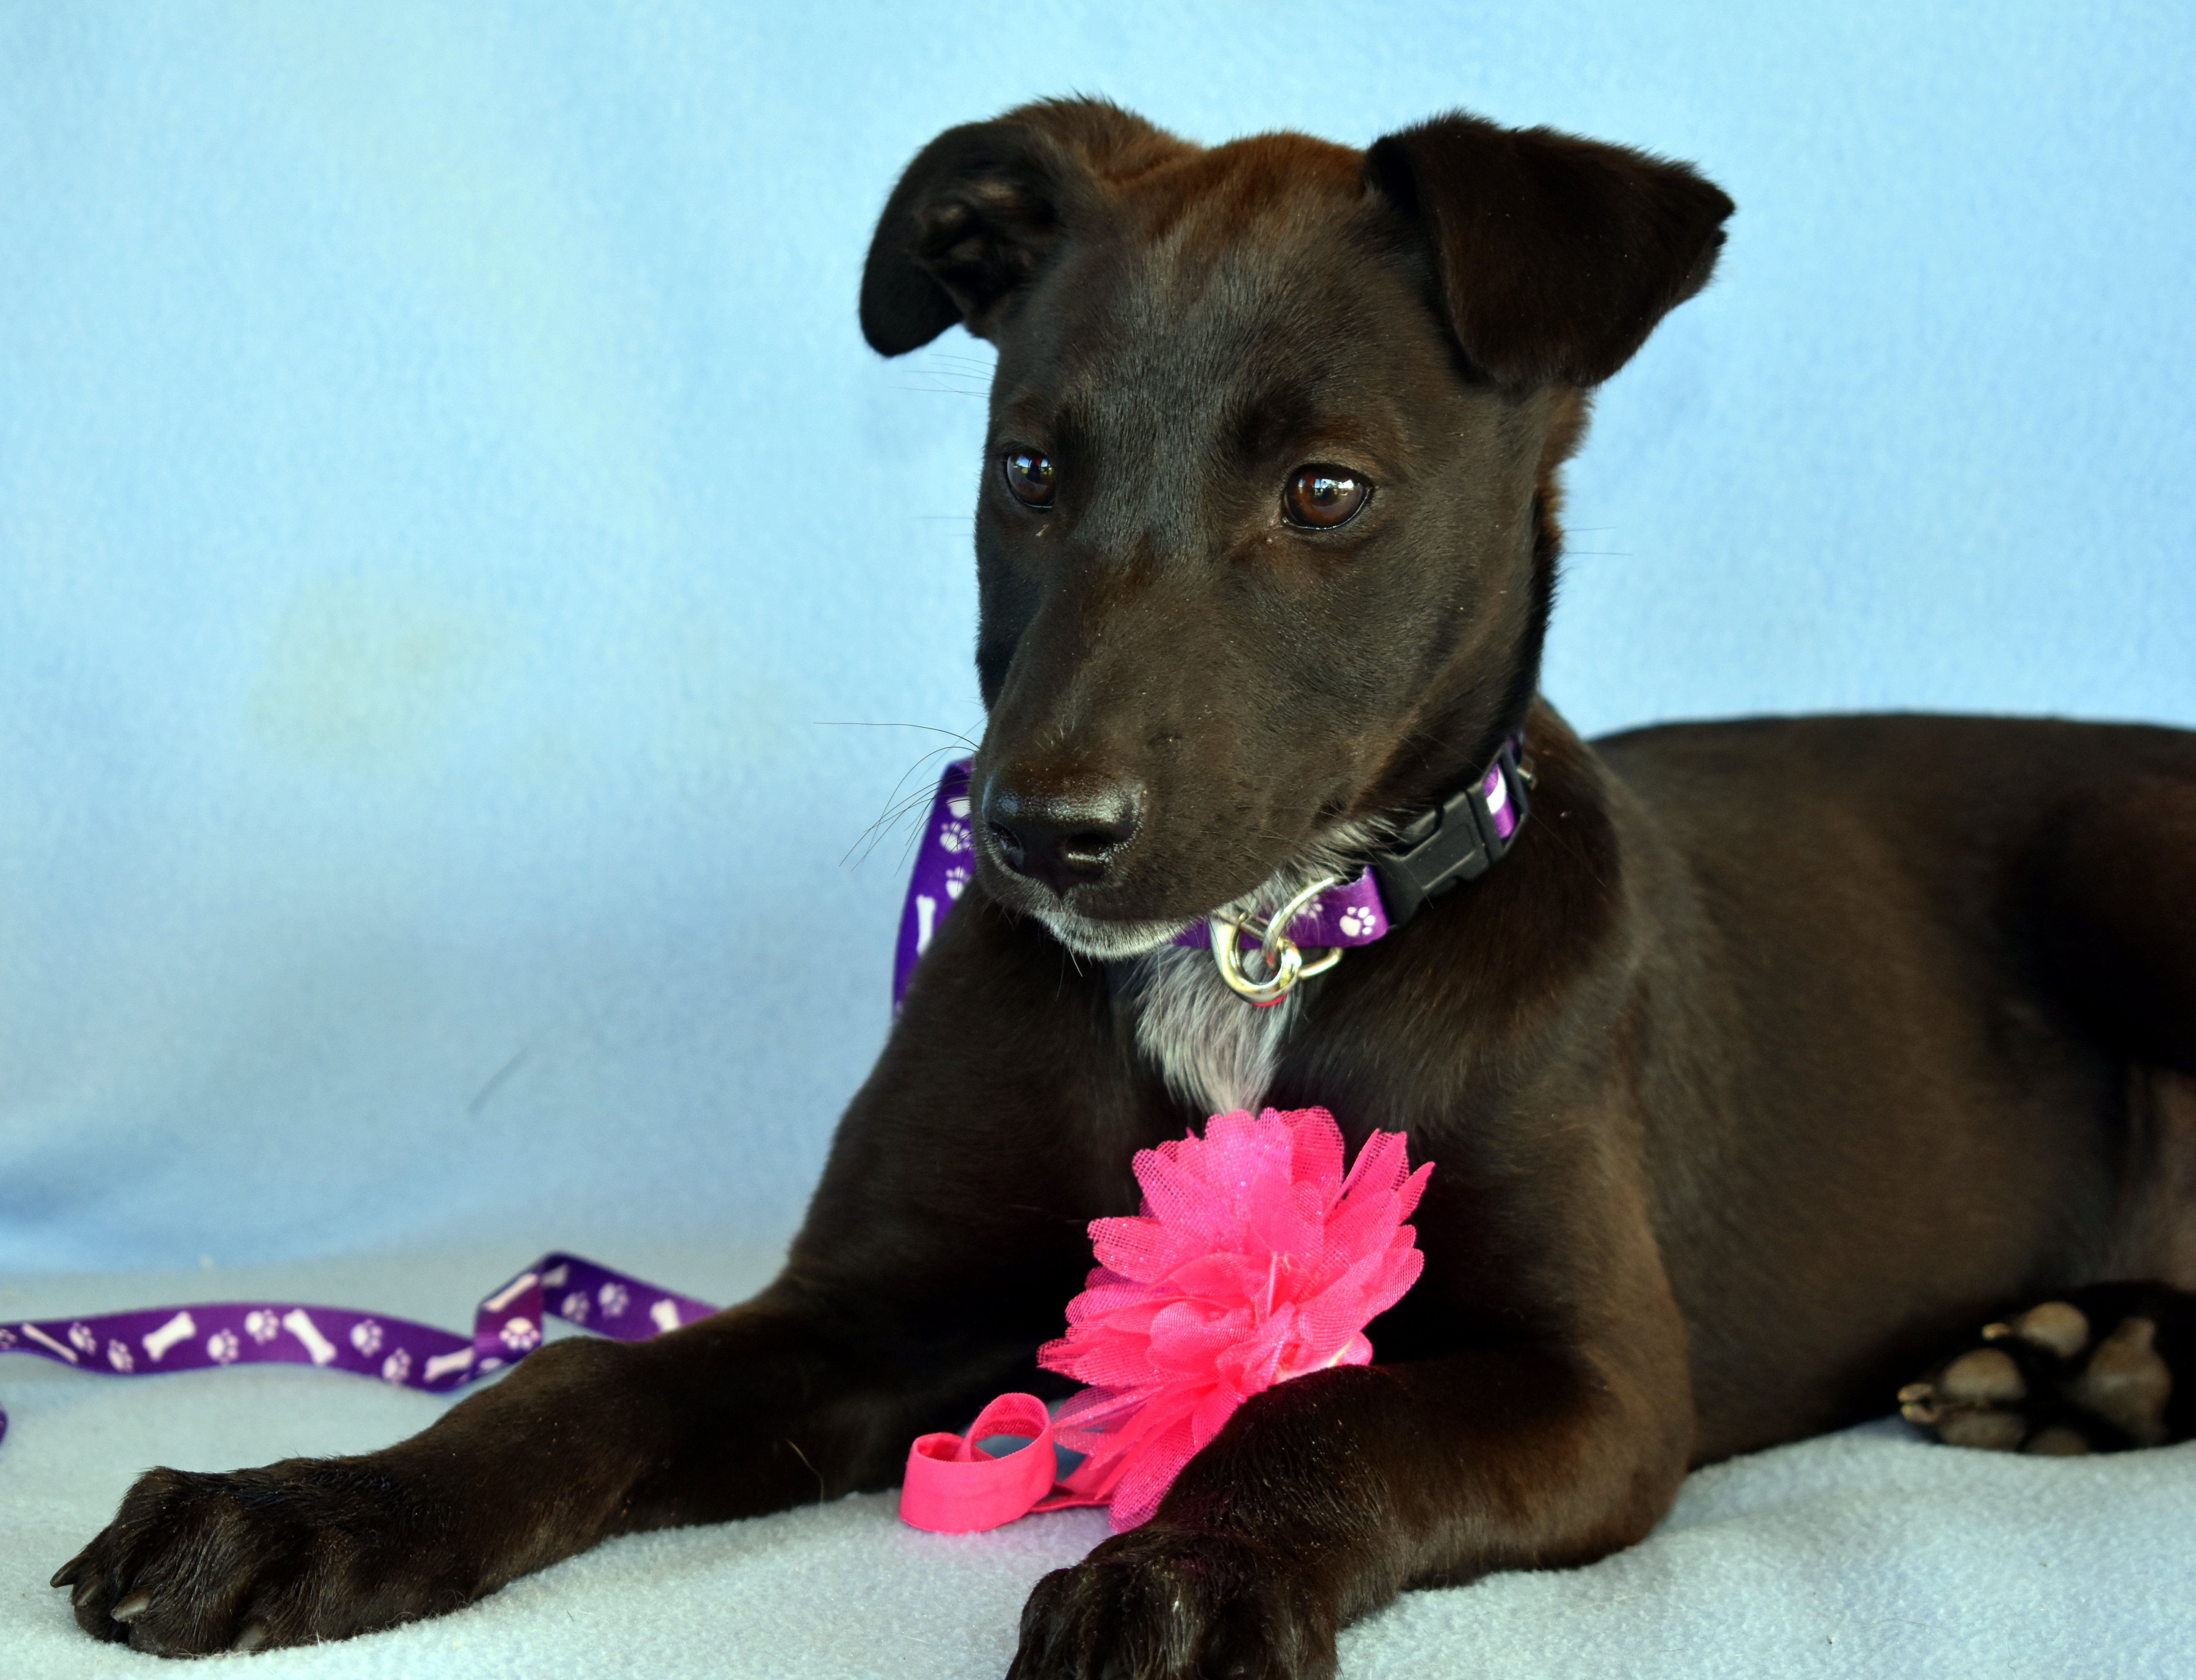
<point>66,1574</point>
<point>132,1607</point>
<point>253,1637</point>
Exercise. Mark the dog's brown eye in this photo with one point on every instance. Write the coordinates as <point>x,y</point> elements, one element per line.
<point>1029,476</point>
<point>1323,497</point>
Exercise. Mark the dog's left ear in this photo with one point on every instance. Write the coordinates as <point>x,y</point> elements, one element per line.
<point>1556,254</point>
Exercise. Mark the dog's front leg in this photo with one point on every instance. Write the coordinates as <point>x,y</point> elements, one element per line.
<point>1325,1497</point>
<point>753,1409</point>
<point>947,1233</point>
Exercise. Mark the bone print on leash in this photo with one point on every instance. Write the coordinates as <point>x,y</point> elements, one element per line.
<point>508,1326</point>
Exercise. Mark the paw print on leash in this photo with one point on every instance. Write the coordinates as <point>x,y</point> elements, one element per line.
<point>366,1337</point>
<point>120,1356</point>
<point>262,1324</point>
<point>222,1346</point>
<point>955,837</point>
<point>1356,922</point>
<point>574,1307</point>
<point>82,1339</point>
<point>396,1367</point>
<point>613,1300</point>
<point>520,1336</point>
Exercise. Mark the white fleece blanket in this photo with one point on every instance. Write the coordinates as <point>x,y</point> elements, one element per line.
<point>1862,1554</point>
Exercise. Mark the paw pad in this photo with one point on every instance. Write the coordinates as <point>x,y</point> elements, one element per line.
<point>1984,1377</point>
<point>2057,1325</point>
<point>2127,1384</point>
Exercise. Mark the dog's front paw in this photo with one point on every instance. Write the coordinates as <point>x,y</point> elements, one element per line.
<point>303,1550</point>
<point>1164,1604</point>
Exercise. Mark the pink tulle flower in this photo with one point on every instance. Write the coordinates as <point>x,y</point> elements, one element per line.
<point>1254,1261</point>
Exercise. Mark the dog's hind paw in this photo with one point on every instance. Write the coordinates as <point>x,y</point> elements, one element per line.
<point>2092,1370</point>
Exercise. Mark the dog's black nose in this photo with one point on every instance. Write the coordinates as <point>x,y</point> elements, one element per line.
<point>1063,839</point>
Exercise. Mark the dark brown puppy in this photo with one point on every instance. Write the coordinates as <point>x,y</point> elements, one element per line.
<point>1775,1052</point>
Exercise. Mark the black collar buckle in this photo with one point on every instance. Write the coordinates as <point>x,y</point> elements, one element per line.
<point>1459,838</point>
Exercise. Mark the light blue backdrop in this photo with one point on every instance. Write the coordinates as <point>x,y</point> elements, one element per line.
<point>444,495</point>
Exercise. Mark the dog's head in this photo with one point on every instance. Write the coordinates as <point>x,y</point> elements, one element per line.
<point>1265,537</point>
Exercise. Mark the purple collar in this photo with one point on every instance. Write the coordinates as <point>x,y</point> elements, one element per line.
<point>1455,841</point>
<point>1352,913</point>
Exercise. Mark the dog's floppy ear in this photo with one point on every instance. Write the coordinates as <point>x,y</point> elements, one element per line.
<point>982,205</point>
<point>1556,254</point>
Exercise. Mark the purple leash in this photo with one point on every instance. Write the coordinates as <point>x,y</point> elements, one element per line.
<point>401,1352</point>
<point>1472,828</point>
<point>510,1323</point>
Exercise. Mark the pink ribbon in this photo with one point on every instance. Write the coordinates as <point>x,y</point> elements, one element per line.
<point>954,1486</point>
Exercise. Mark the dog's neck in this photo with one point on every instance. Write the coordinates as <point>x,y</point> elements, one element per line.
<point>1211,1047</point>
<point>1216,1050</point>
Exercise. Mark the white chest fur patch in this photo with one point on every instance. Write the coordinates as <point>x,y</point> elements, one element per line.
<point>1216,1052</point>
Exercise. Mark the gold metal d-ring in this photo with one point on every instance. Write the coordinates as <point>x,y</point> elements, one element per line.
<point>1285,962</point>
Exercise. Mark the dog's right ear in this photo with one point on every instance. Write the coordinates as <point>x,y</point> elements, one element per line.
<point>1556,254</point>
<point>982,207</point>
